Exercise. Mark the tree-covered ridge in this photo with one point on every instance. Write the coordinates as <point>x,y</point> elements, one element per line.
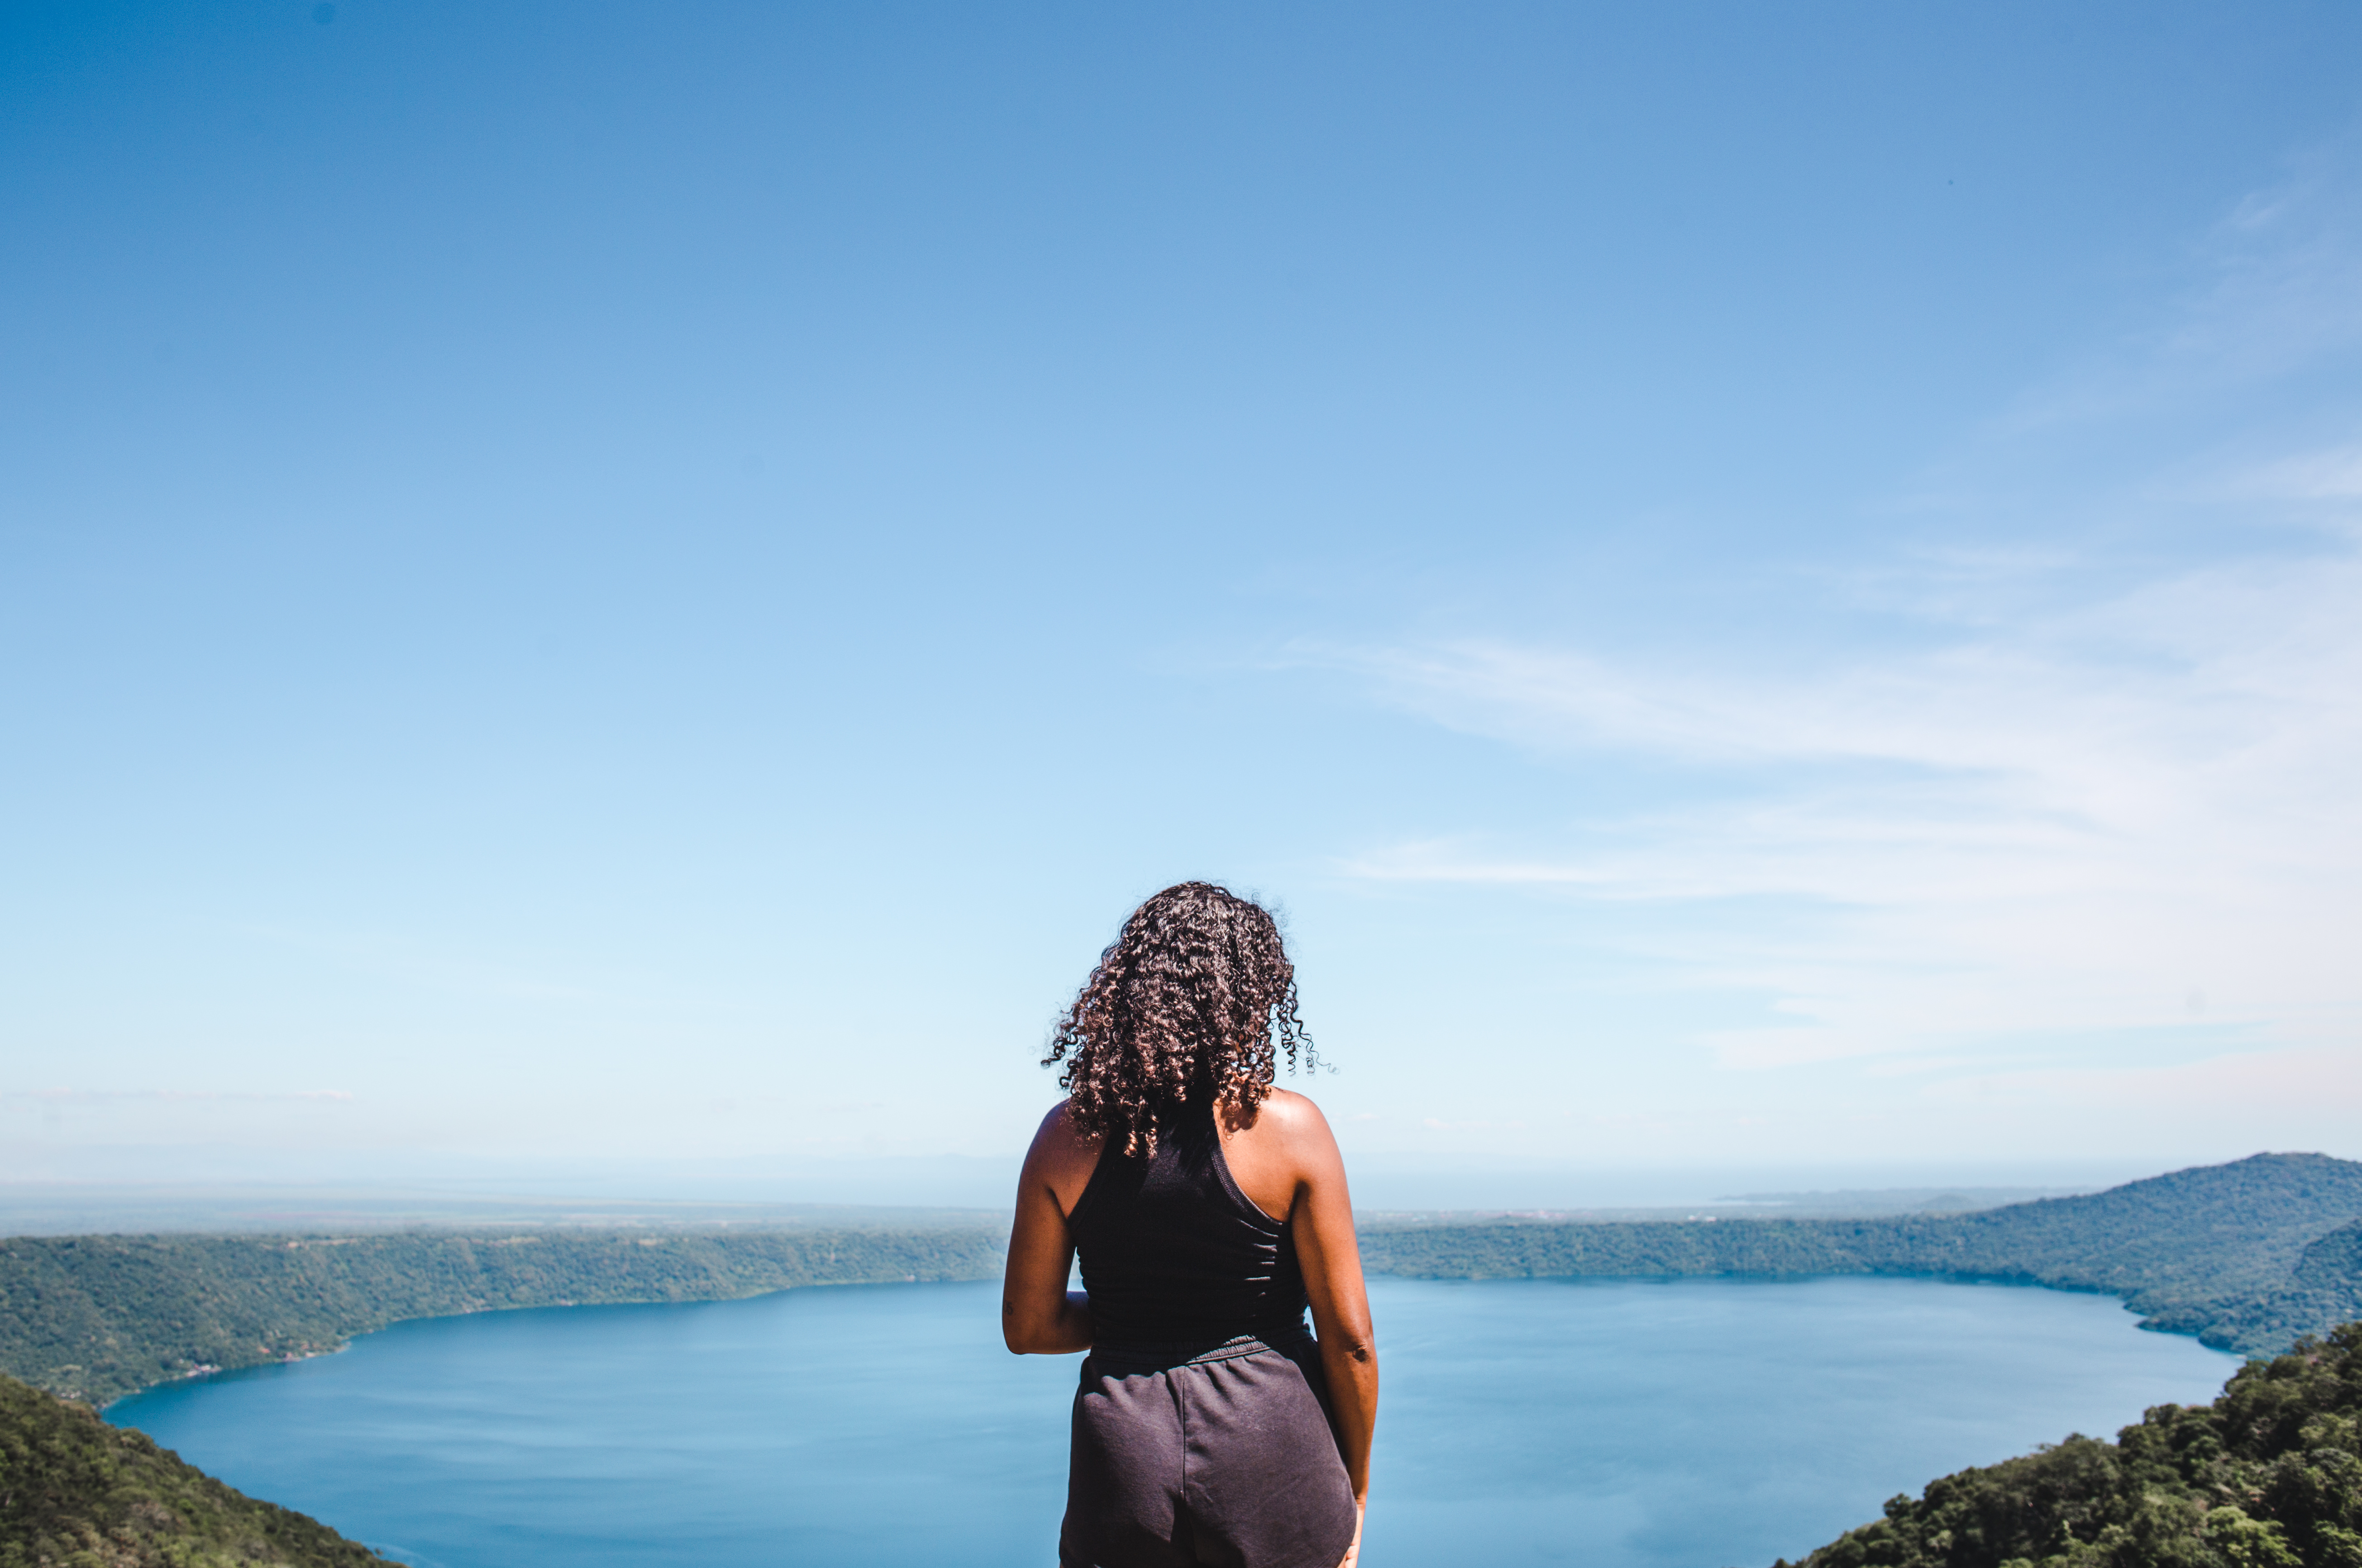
<point>2247,1255</point>
<point>2267,1476</point>
<point>95,1318</point>
<point>76,1493</point>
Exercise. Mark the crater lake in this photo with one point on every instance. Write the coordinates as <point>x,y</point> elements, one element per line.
<point>1692,1423</point>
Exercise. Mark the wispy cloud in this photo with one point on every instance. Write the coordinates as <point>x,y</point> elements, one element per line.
<point>2274,286</point>
<point>2142,819</point>
<point>2132,808</point>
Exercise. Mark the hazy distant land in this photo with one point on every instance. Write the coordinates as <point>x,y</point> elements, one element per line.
<point>83,1209</point>
<point>94,1209</point>
<point>1843,1203</point>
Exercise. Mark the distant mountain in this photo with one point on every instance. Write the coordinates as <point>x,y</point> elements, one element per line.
<point>2211,1232</point>
<point>2267,1476</point>
<point>2244,1255</point>
<point>75,1491</point>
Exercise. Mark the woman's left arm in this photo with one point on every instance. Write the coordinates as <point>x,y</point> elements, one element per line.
<point>1039,1316</point>
<point>1323,1216</point>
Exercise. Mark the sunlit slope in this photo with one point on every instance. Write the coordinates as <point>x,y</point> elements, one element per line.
<point>2267,1476</point>
<point>2246,1255</point>
<point>74,1490</point>
<point>99,1316</point>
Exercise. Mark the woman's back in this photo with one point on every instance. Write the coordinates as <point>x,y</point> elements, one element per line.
<point>1175,1253</point>
<point>1208,1425</point>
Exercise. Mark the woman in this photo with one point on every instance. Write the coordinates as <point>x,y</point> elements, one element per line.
<point>1210,1209</point>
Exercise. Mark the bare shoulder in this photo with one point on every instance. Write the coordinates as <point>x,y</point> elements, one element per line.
<point>1291,1120</point>
<point>1058,1143</point>
<point>1290,1110</point>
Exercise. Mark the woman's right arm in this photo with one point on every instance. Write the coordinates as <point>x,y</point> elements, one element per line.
<point>1323,1216</point>
<point>1039,1316</point>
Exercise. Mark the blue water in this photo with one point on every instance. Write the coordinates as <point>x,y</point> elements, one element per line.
<point>1618,1424</point>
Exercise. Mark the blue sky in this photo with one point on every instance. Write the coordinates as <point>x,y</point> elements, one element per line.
<point>641,588</point>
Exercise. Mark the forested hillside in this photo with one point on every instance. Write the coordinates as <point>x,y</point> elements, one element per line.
<point>2325,1287</point>
<point>2246,1255</point>
<point>98,1317</point>
<point>2267,1476</point>
<point>75,1491</point>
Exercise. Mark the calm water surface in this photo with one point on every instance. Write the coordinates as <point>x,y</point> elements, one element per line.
<point>1618,1424</point>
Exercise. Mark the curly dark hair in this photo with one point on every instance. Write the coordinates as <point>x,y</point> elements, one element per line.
<point>1191,1004</point>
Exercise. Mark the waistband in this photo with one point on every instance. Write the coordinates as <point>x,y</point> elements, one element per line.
<point>1160,1356</point>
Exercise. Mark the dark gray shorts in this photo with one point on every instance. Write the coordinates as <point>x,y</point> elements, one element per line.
<point>1221,1459</point>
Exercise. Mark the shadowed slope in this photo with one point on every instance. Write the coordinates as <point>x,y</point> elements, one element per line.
<point>2326,1287</point>
<point>76,1491</point>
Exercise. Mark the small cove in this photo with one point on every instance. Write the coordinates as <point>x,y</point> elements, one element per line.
<point>1695,1423</point>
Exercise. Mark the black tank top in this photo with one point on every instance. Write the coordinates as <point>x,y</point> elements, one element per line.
<point>1174,1252</point>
